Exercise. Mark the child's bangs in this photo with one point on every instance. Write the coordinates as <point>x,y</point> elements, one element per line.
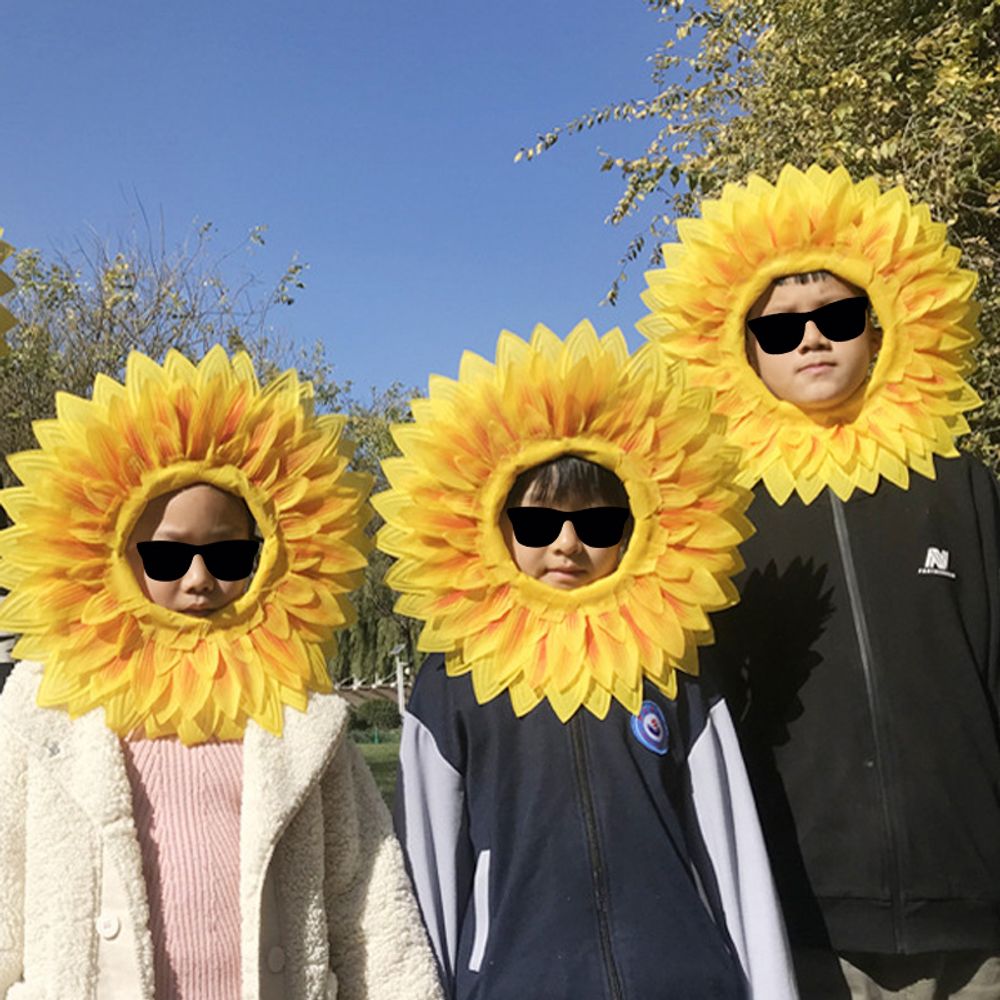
<point>569,478</point>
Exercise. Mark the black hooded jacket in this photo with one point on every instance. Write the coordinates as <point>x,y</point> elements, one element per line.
<point>861,668</point>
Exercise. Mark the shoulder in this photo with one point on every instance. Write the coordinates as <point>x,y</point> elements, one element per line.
<point>961,483</point>
<point>436,696</point>
<point>318,729</point>
<point>326,706</point>
<point>431,677</point>
<point>18,700</point>
<point>443,718</point>
<point>970,471</point>
<point>28,727</point>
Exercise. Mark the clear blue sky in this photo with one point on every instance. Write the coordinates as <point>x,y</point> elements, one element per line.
<point>375,140</point>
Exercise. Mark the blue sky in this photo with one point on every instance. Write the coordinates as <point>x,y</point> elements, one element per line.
<point>374,140</point>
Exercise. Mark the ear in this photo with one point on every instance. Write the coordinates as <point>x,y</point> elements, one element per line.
<point>876,340</point>
<point>750,349</point>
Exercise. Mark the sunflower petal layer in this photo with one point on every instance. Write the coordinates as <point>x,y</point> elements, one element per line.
<point>537,400</point>
<point>913,405</point>
<point>75,598</point>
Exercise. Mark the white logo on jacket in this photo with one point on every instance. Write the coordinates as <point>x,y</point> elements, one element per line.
<point>936,563</point>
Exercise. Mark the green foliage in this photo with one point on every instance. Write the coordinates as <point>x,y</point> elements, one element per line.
<point>383,759</point>
<point>906,90</point>
<point>82,316</point>
<point>376,713</point>
<point>365,649</point>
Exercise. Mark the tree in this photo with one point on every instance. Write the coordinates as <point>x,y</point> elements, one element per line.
<point>364,650</point>
<point>906,90</point>
<point>82,316</point>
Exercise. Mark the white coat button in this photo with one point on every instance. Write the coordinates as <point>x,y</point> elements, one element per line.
<point>108,926</point>
<point>276,959</point>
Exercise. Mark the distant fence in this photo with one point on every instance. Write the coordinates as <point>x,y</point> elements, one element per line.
<point>355,692</point>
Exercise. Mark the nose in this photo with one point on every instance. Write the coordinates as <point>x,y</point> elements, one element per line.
<point>812,338</point>
<point>198,580</point>
<point>568,541</point>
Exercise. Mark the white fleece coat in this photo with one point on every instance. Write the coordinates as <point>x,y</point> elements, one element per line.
<point>326,906</point>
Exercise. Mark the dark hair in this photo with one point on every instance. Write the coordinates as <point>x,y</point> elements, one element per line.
<point>805,278</point>
<point>253,531</point>
<point>569,476</point>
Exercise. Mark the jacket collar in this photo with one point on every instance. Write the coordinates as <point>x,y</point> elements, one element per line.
<point>85,757</point>
<point>278,774</point>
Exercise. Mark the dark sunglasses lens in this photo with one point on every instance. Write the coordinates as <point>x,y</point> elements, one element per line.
<point>168,561</point>
<point>844,320</point>
<point>778,333</point>
<point>165,561</point>
<point>600,527</point>
<point>535,526</point>
<point>232,560</point>
<point>840,321</point>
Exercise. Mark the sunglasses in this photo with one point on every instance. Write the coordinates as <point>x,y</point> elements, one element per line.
<point>780,333</point>
<point>598,527</point>
<point>229,560</point>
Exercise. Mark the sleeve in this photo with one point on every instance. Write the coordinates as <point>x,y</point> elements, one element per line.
<point>431,818</point>
<point>378,948</point>
<point>729,829</point>
<point>13,802</point>
<point>986,490</point>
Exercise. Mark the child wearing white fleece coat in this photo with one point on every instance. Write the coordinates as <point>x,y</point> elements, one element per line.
<point>182,813</point>
<point>322,884</point>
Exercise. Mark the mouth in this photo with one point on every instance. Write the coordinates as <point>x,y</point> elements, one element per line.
<point>201,611</point>
<point>565,572</point>
<point>815,366</point>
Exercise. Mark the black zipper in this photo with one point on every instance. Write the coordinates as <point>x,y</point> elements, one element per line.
<point>882,761</point>
<point>598,876</point>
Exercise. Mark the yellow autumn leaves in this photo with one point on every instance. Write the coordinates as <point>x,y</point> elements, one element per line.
<point>7,321</point>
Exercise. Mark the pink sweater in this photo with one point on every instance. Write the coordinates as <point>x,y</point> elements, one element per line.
<point>186,803</point>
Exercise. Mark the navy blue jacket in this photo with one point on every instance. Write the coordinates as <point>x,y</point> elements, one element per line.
<point>577,860</point>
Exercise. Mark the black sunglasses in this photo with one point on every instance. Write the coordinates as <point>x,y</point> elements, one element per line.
<point>780,333</point>
<point>229,560</point>
<point>598,527</point>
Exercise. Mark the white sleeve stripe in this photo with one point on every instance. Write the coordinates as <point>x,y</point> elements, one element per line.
<point>434,808</point>
<point>481,897</point>
<point>727,819</point>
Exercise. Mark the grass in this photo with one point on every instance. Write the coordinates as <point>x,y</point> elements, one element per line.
<point>383,758</point>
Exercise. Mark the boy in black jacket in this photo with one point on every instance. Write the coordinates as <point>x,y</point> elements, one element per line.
<point>861,664</point>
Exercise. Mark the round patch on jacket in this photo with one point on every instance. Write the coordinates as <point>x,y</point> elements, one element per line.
<point>649,727</point>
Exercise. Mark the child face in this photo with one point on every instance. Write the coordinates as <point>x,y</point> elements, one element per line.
<point>198,515</point>
<point>565,563</point>
<point>820,374</point>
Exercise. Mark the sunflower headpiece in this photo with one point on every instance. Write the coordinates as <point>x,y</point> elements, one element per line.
<point>75,598</point>
<point>914,402</point>
<point>470,440</point>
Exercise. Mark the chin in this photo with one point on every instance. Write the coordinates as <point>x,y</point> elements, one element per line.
<point>823,404</point>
